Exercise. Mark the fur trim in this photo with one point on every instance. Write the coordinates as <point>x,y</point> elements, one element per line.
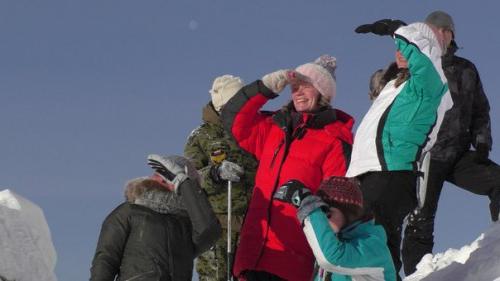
<point>135,188</point>
<point>151,194</point>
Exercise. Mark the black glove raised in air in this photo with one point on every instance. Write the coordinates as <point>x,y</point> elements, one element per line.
<point>381,27</point>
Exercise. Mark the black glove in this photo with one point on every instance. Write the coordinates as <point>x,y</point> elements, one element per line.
<point>482,153</point>
<point>381,27</point>
<point>292,192</point>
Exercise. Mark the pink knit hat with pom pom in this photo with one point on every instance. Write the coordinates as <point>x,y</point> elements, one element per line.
<point>321,73</point>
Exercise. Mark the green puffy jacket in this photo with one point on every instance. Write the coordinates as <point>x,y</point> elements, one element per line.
<point>208,138</point>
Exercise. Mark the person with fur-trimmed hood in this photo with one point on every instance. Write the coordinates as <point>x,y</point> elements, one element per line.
<point>346,243</point>
<point>307,140</point>
<point>164,224</point>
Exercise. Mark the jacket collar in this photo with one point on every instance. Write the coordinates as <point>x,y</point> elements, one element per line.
<point>288,118</point>
<point>447,59</point>
<point>211,116</point>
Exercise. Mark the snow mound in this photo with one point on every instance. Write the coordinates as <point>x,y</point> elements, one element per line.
<point>26,249</point>
<point>479,261</point>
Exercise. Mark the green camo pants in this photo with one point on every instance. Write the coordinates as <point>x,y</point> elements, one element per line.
<point>212,265</point>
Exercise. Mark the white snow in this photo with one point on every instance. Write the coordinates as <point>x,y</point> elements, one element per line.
<point>26,249</point>
<point>479,261</point>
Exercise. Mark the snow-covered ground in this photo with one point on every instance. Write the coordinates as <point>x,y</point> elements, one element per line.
<point>26,249</point>
<point>479,261</point>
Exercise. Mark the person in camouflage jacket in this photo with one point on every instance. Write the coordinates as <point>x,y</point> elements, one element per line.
<point>211,150</point>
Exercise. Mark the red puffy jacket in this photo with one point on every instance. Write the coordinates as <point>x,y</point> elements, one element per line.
<point>288,145</point>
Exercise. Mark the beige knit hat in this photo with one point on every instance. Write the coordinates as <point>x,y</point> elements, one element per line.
<point>223,89</point>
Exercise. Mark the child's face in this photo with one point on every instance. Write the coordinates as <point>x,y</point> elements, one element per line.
<point>336,219</point>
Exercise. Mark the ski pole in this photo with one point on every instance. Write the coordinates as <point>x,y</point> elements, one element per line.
<point>229,252</point>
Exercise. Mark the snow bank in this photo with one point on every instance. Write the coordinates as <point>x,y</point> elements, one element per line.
<point>479,261</point>
<point>26,249</point>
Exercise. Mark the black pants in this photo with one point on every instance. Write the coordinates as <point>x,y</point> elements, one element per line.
<point>390,196</point>
<point>478,178</point>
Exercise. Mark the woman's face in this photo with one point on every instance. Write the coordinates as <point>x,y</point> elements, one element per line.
<point>400,60</point>
<point>305,97</point>
<point>336,219</point>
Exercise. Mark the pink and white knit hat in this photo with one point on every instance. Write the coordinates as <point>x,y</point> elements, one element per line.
<point>321,72</point>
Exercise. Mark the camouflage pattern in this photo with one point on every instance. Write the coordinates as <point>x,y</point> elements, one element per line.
<point>212,265</point>
<point>205,142</point>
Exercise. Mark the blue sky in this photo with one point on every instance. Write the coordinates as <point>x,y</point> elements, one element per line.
<point>89,88</point>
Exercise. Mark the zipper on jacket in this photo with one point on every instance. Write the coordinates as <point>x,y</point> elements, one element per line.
<point>276,152</point>
<point>287,141</point>
<point>298,133</point>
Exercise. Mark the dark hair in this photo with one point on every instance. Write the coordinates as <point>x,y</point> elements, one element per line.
<point>378,82</point>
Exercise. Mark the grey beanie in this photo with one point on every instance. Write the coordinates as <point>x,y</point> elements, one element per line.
<point>441,19</point>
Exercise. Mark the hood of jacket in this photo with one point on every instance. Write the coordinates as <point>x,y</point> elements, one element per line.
<point>149,193</point>
<point>211,116</point>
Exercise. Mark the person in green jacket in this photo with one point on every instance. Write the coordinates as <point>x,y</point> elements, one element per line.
<point>346,242</point>
<point>219,160</point>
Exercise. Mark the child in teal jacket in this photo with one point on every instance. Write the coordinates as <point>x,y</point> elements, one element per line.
<point>347,245</point>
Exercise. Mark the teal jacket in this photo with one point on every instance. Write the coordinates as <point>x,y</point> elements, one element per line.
<point>403,122</point>
<point>357,252</point>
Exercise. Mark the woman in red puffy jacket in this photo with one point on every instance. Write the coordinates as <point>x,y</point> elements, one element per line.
<point>306,140</point>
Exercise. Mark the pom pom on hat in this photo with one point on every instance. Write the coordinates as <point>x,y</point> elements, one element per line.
<point>223,89</point>
<point>321,73</point>
<point>328,62</point>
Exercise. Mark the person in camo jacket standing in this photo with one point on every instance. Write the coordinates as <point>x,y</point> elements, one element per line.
<point>219,159</point>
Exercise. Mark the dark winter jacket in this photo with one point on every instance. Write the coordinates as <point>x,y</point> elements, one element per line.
<point>155,235</point>
<point>208,138</point>
<point>288,145</point>
<point>468,121</point>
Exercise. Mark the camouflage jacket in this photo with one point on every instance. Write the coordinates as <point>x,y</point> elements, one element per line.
<point>208,138</point>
